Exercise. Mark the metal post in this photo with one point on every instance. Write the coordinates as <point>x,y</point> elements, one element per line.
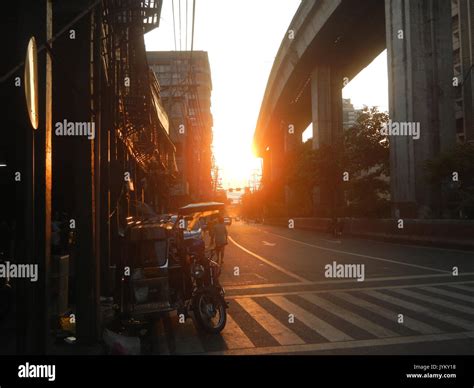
<point>48,178</point>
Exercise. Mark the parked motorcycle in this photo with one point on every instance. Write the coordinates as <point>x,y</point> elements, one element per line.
<point>162,271</point>
<point>208,303</point>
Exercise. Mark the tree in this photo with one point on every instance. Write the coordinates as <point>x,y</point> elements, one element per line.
<point>366,160</point>
<point>362,155</point>
<point>252,205</point>
<point>301,178</point>
<point>453,171</point>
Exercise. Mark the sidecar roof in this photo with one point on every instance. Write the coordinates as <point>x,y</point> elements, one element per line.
<point>200,207</point>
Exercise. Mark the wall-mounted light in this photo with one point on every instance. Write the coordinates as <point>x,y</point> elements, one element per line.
<point>31,82</point>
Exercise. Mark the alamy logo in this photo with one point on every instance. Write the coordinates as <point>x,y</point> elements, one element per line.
<point>395,128</point>
<point>11,271</point>
<point>69,128</point>
<point>345,271</point>
<point>37,371</point>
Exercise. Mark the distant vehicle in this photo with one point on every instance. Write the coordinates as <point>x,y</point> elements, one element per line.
<point>168,220</point>
<point>228,221</point>
<point>195,231</point>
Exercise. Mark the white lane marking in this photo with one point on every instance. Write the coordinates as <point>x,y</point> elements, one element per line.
<point>347,344</point>
<point>311,321</point>
<point>422,310</point>
<point>334,281</point>
<point>439,302</point>
<point>275,328</point>
<point>234,336</point>
<point>420,246</point>
<point>268,243</point>
<point>360,289</point>
<point>455,295</point>
<point>361,255</point>
<point>268,262</point>
<point>409,322</point>
<point>349,316</point>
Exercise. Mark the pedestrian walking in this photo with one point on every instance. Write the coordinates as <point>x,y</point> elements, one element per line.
<point>220,239</point>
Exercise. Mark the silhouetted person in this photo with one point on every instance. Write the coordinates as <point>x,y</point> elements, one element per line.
<point>220,239</point>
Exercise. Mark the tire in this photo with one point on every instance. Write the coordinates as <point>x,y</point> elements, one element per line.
<point>210,311</point>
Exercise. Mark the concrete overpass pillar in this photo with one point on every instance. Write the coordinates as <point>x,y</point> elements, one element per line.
<point>420,73</point>
<point>326,102</point>
<point>273,169</point>
<point>326,109</point>
<point>292,142</point>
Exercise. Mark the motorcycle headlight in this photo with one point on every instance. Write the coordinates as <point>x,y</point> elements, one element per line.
<point>197,270</point>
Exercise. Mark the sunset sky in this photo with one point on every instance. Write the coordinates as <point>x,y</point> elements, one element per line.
<point>242,39</point>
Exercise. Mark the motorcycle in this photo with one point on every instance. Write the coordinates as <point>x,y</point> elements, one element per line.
<point>208,302</point>
<point>162,270</point>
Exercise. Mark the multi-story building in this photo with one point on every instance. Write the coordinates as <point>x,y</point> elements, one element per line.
<point>90,185</point>
<point>185,84</point>
<point>463,46</point>
<point>349,114</point>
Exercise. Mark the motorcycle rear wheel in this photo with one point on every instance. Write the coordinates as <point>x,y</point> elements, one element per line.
<point>210,311</point>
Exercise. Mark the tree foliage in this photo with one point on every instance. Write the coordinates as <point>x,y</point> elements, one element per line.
<point>453,170</point>
<point>366,158</point>
<point>362,152</point>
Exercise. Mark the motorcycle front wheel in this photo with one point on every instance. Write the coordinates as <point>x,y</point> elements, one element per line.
<point>210,311</point>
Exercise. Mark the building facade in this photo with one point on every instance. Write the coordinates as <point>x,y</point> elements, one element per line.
<point>349,114</point>
<point>463,52</point>
<point>89,184</point>
<point>186,86</point>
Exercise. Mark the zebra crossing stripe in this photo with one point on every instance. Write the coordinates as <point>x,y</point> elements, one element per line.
<point>454,295</point>
<point>234,337</point>
<point>455,321</point>
<point>424,298</point>
<point>311,321</point>
<point>409,322</point>
<point>275,328</point>
<point>371,343</point>
<point>357,320</point>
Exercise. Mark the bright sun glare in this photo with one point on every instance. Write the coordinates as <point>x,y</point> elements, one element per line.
<point>242,41</point>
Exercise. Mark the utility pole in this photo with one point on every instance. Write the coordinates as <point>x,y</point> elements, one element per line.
<point>48,175</point>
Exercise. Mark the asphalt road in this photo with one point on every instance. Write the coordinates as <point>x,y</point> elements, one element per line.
<point>410,299</point>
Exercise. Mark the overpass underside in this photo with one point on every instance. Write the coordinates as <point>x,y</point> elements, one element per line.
<point>335,40</point>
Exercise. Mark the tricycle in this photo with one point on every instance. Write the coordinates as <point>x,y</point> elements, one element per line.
<point>162,270</point>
